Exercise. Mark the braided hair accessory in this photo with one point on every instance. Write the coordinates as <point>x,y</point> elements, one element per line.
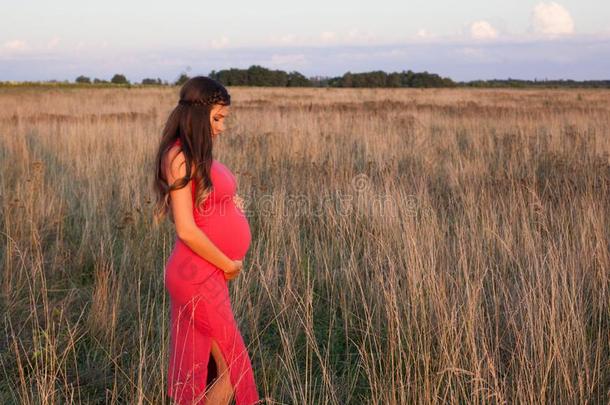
<point>216,98</point>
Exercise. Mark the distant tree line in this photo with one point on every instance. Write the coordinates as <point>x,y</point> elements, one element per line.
<point>257,75</point>
<point>380,78</point>
<point>119,79</point>
<point>538,83</point>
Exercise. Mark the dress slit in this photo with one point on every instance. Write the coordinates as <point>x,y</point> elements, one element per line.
<point>192,334</point>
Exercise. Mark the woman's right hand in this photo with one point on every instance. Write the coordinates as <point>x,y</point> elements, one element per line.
<point>234,270</point>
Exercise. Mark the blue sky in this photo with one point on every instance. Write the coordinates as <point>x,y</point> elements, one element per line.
<point>465,40</point>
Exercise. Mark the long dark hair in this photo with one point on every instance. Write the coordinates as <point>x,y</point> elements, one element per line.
<point>190,122</point>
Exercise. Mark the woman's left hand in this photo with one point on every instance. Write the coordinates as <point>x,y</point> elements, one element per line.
<point>231,276</point>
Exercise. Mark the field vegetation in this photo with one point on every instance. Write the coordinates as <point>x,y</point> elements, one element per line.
<point>409,245</point>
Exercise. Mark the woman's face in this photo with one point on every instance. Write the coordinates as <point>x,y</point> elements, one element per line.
<point>217,117</point>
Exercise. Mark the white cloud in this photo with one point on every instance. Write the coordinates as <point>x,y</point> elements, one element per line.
<point>360,36</point>
<point>288,39</point>
<point>422,33</point>
<point>220,42</point>
<point>328,36</point>
<point>424,36</point>
<point>483,30</point>
<point>550,18</point>
<point>53,42</point>
<point>15,45</point>
<point>351,37</point>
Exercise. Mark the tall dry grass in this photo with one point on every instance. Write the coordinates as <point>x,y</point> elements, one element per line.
<point>409,246</point>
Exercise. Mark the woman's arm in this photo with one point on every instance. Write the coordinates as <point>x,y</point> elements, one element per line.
<point>182,209</point>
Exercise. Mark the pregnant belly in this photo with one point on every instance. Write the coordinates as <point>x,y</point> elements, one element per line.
<point>189,275</point>
<point>227,227</point>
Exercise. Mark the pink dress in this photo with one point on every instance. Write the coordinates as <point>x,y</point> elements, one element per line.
<point>199,300</point>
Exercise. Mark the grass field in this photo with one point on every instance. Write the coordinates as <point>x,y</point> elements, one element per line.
<point>409,246</point>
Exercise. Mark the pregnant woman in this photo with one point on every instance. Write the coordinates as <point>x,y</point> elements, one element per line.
<point>209,362</point>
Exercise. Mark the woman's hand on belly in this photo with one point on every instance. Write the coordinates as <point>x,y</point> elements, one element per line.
<point>230,275</point>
